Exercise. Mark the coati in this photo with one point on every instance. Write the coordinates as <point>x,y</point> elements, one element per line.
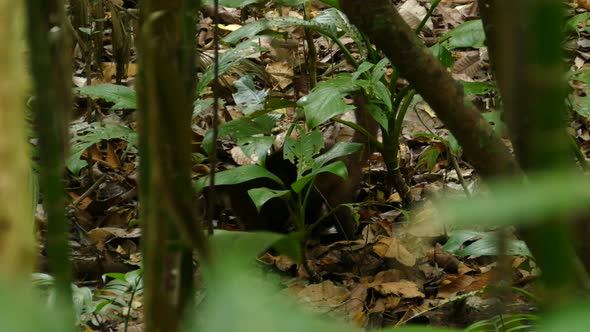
<point>329,188</point>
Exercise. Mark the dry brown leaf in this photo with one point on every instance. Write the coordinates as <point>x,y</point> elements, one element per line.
<point>355,306</point>
<point>584,4</point>
<point>388,276</point>
<point>391,248</point>
<point>282,73</point>
<point>404,288</point>
<point>458,285</point>
<point>323,297</point>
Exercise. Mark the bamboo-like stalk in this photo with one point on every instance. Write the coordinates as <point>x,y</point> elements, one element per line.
<point>165,90</point>
<point>50,58</point>
<point>17,252</point>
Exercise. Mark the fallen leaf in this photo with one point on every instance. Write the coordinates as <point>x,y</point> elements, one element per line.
<point>391,248</point>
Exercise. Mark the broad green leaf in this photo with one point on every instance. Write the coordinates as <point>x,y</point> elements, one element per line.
<point>580,104</point>
<point>290,245</point>
<point>454,144</point>
<point>572,24</point>
<point>301,152</point>
<point>237,129</point>
<point>378,114</point>
<point>518,322</point>
<point>488,246</point>
<point>252,29</point>
<point>20,311</point>
<point>256,147</point>
<point>237,175</point>
<point>227,60</point>
<point>262,195</point>
<point>362,68</point>
<point>457,238</point>
<point>428,158</point>
<point>379,70</point>
<point>337,168</point>
<point>323,106</point>
<point>382,94</point>
<point>495,118</point>
<point>247,98</point>
<point>333,3</point>
<point>477,88</point>
<point>122,96</point>
<point>239,248</point>
<point>241,293</point>
<point>326,100</point>
<point>302,183</point>
<point>340,149</point>
<point>571,318</point>
<point>274,103</point>
<point>97,133</point>
<point>443,55</point>
<point>483,244</point>
<point>468,34</point>
<point>332,21</point>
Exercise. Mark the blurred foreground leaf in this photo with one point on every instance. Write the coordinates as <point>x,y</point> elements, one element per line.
<point>541,197</point>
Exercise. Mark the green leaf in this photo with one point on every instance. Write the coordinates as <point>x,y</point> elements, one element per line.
<point>239,248</point>
<point>241,293</point>
<point>571,318</point>
<point>477,88</point>
<point>122,96</point>
<point>256,147</point>
<point>443,55</point>
<point>518,322</point>
<point>362,68</point>
<point>457,238</point>
<point>239,129</point>
<point>378,114</point>
<point>484,244</point>
<point>333,21</point>
<point>468,34</point>
<point>97,133</point>
<point>249,100</point>
<point>454,144</point>
<point>337,168</point>
<point>581,104</point>
<point>301,152</point>
<point>495,118</point>
<point>283,22</point>
<point>237,175</point>
<point>572,24</point>
<point>290,245</point>
<point>328,23</point>
<point>227,60</point>
<point>340,149</point>
<point>326,100</point>
<point>21,312</point>
<point>545,196</point>
<point>488,246</point>
<point>382,94</point>
<point>428,158</point>
<point>333,3</point>
<point>379,70</point>
<point>262,195</point>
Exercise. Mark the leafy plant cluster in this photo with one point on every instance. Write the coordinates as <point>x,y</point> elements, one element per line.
<point>388,106</point>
